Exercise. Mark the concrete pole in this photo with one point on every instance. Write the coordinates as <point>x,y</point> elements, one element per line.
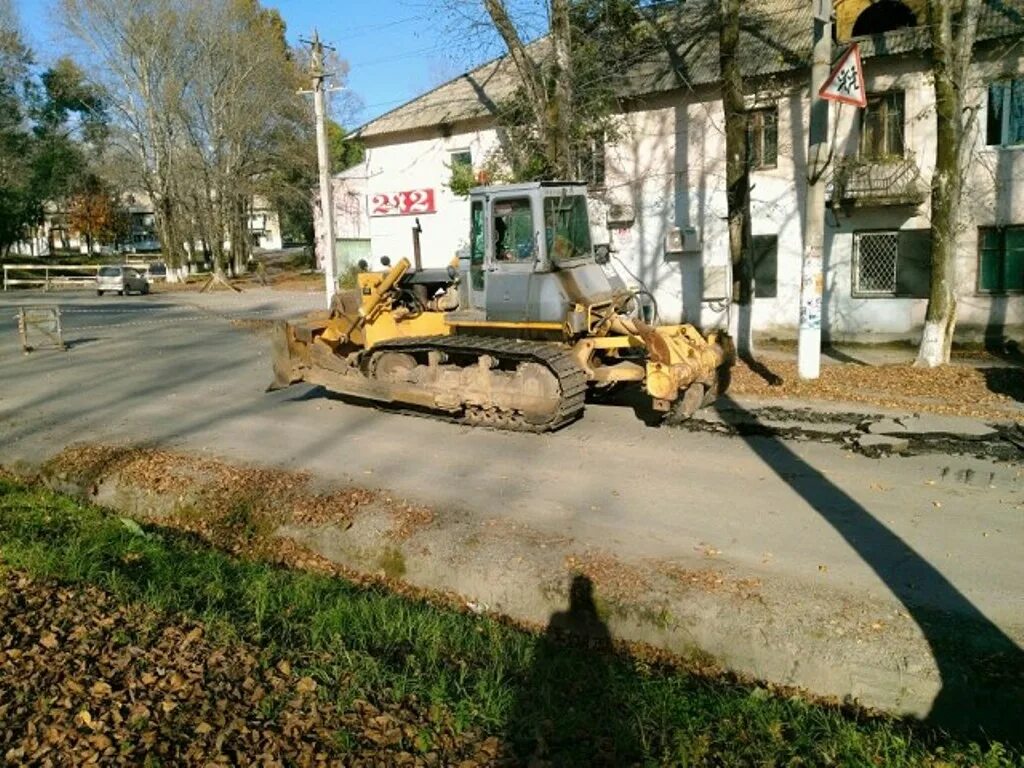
<point>324,162</point>
<point>819,148</point>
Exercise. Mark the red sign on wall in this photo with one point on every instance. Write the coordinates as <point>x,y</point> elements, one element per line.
<point>412,202</point>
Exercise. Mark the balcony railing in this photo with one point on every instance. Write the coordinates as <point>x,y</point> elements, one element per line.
<point>861,182</point>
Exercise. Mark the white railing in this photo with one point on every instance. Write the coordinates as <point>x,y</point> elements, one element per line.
<point>143,266</point>
<point>52,274</point>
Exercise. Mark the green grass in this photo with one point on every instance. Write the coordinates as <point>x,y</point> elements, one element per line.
<point>585,707</point>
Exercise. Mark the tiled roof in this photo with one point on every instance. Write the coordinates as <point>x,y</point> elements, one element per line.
<point>775,37</point>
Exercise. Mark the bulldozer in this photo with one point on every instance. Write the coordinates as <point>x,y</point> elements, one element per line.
<point>512,335</point>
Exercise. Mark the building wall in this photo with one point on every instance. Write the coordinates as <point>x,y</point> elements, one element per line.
<point>265,224</point>
<point>420,162</point>
<point>666,168</point>
<point>669,167</point>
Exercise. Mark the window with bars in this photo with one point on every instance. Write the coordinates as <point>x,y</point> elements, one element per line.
<point>1005,120</point>
<point>763,138</point>
<point>881,126</point>
<point>875,256</point>
<point>1001,259</point>
<point>892,264</point>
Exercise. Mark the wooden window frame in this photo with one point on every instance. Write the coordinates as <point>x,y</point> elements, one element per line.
<point>883,98</point>
<point>1006,85</point>
<point>756,134</point>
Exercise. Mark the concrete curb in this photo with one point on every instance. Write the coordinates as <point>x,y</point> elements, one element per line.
<point>827,642</point>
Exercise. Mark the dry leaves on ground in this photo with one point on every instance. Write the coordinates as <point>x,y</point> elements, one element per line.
<point>614,579</point>
<point>955,390</point>
<point>233,500</point>
<point>710,580</point>
<point>84,679</point>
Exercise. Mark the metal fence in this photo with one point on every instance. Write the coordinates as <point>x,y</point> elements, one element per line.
<point>49,275</point>
<point>40,326</point>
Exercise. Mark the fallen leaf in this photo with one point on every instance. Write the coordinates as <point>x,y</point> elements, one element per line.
<point>48,640</point>
<point>306,685</point>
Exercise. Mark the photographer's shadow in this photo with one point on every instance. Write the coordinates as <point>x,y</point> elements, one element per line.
<point>566,712</point>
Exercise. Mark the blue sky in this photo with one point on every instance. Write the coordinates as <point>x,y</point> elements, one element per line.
<point>396,49</point>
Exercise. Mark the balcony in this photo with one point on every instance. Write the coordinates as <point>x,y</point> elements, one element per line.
<point>860,183</point>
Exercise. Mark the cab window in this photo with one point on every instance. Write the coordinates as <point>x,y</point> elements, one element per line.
<point>513,230</point>
<point>476,249</point>
<point>567,227</point>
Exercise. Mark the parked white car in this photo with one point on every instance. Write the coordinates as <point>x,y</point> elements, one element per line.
<point>120,279</point>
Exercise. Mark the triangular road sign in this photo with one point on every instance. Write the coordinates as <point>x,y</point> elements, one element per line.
<point>846,83</point>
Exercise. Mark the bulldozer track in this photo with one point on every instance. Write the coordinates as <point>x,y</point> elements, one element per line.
<point>571,379</point>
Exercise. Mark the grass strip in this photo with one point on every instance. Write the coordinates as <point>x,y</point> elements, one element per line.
<point>563,703</point>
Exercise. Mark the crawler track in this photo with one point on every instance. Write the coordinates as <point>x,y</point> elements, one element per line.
<point>572,381</point>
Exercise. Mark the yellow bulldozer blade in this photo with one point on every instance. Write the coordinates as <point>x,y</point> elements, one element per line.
<point>285,370</point>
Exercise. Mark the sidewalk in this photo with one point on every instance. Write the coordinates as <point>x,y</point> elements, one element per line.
<point>977,385</point>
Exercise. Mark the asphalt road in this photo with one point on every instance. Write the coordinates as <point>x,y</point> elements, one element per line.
<point>933,532</point>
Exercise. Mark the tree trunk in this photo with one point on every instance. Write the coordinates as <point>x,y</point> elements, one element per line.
<point>240,235</point>
<point>737,174</point>
<point>562,160</point>
<point>167,231</point>
<point>951,61</point>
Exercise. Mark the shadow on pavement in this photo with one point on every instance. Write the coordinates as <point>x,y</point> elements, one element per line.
<point>72,343</point>
<point>839,356</point>
<point>1005,381</point>
<point>773,379</point>
<point>981,668</point>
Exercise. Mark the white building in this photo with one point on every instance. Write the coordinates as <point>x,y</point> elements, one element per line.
<point>55,232</point>
<point>666,169</point>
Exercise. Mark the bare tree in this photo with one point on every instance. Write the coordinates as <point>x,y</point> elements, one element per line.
<point>953,25</point>
<point>548,86</point>
<point>239,104</point>
<point>134,46</point>
<point>206,106</point>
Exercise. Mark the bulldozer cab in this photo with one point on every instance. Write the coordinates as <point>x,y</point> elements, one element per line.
<point>520,235</point>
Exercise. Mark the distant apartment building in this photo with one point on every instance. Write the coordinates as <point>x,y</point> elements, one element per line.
<point>56,234</point>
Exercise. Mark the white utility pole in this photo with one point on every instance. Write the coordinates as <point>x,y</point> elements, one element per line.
<point>319,76</point>
<point>818,155</point>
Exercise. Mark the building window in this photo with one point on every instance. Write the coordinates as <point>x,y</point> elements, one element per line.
<point>766,249</point>
<point>883,16</point>
<point>1005,125</point>
<point>763,138</point>
<point>461,159</point>
<point>1001,259</point>
<point>462,178</point>
<point>892,264</point>
<point>881,127</point>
